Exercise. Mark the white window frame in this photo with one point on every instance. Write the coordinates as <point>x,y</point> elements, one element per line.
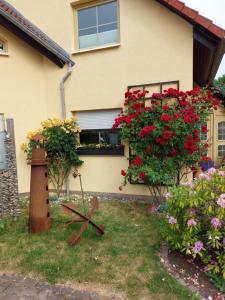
<point>97,46</point>
<point>222,123</point>
<point>221,149</point>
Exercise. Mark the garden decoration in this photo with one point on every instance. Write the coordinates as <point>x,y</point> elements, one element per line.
<point>85,219</point>
<point>39,216</point>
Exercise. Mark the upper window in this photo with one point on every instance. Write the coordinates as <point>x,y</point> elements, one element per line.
<point>3,47</point>
<point>98,25</point>
<point>221,131</point>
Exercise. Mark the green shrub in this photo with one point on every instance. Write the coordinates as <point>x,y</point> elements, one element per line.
<point>196,217</point>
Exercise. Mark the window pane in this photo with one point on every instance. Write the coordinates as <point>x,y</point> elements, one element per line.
<point>107,27</point>
<point>89,31</point>
<point>88,40</point>
<point>107,13</point>
<point>221,150</point>
<point>87,17</point>
<point>108,37</point>
<point>221,131</point>
<point>89,137</point>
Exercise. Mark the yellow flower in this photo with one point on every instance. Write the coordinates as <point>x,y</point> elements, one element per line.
<point>31,134</point>
<point>24,146</point>
<point>54,122</point>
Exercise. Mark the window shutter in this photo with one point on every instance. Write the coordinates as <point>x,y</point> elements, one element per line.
<point>2,151</point>
<point>97,119</point>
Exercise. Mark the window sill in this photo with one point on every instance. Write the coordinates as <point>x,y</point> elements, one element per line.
<point>101,151</point>
<point>4,54</point>
<point>96,48</point>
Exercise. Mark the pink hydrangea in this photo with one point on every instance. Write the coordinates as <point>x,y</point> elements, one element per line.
<point>172,220</point>
<point>191,222</point>
<point>221,173</point>
<point>221,201</point>
<point>215,222</point>
<point>211,171</point>
<point>203,176</point>
<point>198,247</point>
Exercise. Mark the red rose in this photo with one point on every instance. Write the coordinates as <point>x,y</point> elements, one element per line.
<point>137,161</point>
<point>142,175</point>
<point>165,118</point>
<point>165,107</point>
<point>173,152</point>
<point>168,134</point>
<point>160,141</point>
<point>146,130</point>
<point>204,129</point>
<point>123,173</point>
<point>206,145</point>
<point>148,151</point>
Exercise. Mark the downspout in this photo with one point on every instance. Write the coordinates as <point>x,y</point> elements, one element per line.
<point>63,110</point>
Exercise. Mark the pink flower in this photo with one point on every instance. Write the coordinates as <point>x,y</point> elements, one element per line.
<point>172,220</point>
<point>215,222</point>
<point>224,241</point>
<point>211,171</point>
<point>203,176</point>
<point>191,222</point>
<point>221,201</point>
<point>221,173</point>
<point>198,247</point>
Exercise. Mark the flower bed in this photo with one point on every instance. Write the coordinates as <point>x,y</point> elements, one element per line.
<point>196,217</point>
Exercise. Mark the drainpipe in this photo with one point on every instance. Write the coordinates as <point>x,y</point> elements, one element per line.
<point>63,110</point>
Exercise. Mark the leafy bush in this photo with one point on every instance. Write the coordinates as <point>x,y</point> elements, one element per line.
<point>164,134</point>
<point>59,138</point>
<point>196,217</point>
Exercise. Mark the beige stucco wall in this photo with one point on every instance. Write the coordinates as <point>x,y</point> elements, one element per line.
<point>156,45</point>
<point>23,94</point>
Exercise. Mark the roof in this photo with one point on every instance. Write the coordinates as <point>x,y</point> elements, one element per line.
<point>193,17</point>
<point>13,20</point>
<point>209,41</point>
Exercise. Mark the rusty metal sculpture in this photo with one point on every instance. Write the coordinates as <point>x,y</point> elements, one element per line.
<point>86,220</point>
<point>39,216</point>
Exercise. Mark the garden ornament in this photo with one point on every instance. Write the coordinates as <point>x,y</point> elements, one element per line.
<point>85,219</point>
<point>39,216</point>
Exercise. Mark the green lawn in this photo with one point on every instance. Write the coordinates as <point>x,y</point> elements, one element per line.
<point>124,258</point>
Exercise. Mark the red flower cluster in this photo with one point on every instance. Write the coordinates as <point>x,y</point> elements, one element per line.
<point>204,129</point>
<point>191,143</point>
<point>146,130</point>
<point>165,118</point>
<point>123,173</point>
<point>142,175</point>
<point>137,161</point>
<point>167,135</point>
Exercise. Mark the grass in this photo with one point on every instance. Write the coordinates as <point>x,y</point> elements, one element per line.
<point>124,258</point>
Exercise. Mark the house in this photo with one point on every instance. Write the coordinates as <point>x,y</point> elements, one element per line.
<point>116,45</point>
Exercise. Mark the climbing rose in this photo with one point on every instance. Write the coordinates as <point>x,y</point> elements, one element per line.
<point>221,201</point>
<point>165,118</point>
<point>123,173</point>
<point>146,130</point>
<point>165,107</point>
<point>137,161</point>
<point>191,222</point>
<point>172,220</point>
<point>204,129</point>
<point>215,222</point>
<point>168,134</point>
<point>142,175</point>
<point>198,247</point>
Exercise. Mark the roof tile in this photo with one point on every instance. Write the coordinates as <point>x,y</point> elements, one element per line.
<point>194,17</point>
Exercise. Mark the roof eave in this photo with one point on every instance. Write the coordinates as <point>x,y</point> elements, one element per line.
<point>64,59</point>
